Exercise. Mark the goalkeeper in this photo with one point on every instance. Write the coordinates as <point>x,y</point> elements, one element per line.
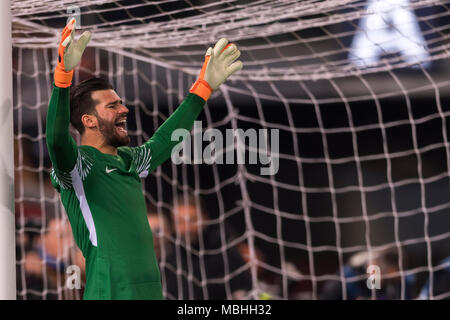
<point>99,181</point>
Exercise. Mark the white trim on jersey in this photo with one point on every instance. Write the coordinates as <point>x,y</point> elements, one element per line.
<point>142,159</point>
<point>75,179</point>
<point>84,206</point>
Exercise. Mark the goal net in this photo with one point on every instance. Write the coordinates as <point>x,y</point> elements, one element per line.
<point>358,206</point>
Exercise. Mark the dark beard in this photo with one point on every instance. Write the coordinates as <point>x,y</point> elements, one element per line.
<point>112,138</point>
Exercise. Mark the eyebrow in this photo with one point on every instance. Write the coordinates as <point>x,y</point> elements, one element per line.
<point>114,102</point>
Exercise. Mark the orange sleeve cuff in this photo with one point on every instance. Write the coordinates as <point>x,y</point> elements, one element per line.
<point>62,78</point>
<point>202,89</point>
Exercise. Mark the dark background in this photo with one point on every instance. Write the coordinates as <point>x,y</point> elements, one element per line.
<point>333,200</point>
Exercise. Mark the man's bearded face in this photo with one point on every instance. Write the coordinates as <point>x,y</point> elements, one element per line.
<point>114,131</point>
<point>111,116</point>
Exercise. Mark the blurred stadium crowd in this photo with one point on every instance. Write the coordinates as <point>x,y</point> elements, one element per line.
<point>195,262</point>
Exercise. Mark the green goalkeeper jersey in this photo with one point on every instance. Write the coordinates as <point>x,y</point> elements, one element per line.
<point>103,198</point>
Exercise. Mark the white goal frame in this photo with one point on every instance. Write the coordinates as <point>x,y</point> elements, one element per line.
<point>7,221</point>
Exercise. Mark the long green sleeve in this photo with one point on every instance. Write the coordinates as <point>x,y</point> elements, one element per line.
<point>184,116</point>
<point>61,146</point>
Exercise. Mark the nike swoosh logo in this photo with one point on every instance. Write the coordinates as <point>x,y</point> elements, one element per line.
<point>110,170</point>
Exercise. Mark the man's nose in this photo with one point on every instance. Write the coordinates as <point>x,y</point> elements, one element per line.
<point>123,109</point>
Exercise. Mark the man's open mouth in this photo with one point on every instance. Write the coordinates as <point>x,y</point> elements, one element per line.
<point>122,125</point>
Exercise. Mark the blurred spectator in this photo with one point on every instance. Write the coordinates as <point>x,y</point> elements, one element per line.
<point>43,274</point>
<point>160,226</point>
<point>268,286</point>
<point>441,282</point>
<point>203,265</point>
<point>30,185</point>
<point>357,289</point>
<point>26,237</point>
<point>299,284</point>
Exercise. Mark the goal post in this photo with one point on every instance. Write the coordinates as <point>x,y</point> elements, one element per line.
<point>7,225</point>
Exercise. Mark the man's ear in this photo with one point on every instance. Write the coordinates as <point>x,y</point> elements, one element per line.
<point>89,121</point>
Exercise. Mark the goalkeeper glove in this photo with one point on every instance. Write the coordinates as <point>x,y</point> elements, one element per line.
<point>69,54</point>
<point>218,66</point>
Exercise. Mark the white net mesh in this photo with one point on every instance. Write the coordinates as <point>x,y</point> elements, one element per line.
<point>360,93</point>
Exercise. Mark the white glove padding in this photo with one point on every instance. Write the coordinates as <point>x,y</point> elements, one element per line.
<point>220,65</point>
<point>74,49</point>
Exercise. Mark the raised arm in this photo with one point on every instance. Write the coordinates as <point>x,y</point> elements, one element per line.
<point>218,66</point>
<point>61,147</point>
<point>160,144</point>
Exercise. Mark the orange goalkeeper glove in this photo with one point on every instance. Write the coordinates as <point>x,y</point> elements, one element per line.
<point>218,66</point>
<point>69,54</point>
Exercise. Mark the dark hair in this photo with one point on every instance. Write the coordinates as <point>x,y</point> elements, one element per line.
<point>81,100</point>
